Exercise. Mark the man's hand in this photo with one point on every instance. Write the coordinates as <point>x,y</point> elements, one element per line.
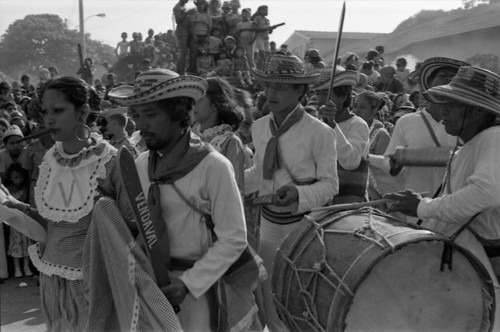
<point>328,112</point>
<point>175,292</point>
<point>395,167</point>
<point>404,201</point>
<point>287,195</point>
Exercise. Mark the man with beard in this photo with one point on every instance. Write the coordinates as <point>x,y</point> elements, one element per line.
<point>178,168</point>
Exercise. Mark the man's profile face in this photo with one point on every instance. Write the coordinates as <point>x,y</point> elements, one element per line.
<point>155,125</point>
<point>454,115</point>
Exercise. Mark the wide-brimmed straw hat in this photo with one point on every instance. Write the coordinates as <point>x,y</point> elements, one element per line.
<point>159,84</point>
<point>472,86</point>
<point>286,69</point>
<point>342,77</point>
<point>108,112</point>
<point>431,65</point>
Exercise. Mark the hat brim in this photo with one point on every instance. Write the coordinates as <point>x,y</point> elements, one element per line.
<point>347,77</point>
<point>182,86</point>
<point>285,78</point>
<point>442,93</point>
<point>432,64</point>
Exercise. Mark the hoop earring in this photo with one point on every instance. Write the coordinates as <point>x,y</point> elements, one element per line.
<point>82,132</point>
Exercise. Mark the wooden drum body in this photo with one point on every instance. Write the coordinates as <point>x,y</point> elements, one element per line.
<point>365,271</point>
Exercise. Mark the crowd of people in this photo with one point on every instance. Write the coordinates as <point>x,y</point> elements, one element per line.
<point>225,170</point>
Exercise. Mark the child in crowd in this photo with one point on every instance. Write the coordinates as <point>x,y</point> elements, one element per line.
<point>215,43</point>
<point>240,67</point>
<point>17,182</point>
<point>205,61</point>
<point>223,65</point>
<point>122,48</point>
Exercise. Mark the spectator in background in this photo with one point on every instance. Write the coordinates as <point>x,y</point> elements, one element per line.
<point>123,46</point>
<point>246,35</point>
<point>13,149</point>
<point>402,73</point>
<point>372,75</point>
<point>314,58</point>
<point>262,25</point>
<point>182,33</point>
<point>349,61</point>
<point>27,88</point>
<point>54,73</point>
<point>5,93</point>
<point>87,71</point>
<point>388,81</point>
<point>232,18</point>
<point>381,50</point>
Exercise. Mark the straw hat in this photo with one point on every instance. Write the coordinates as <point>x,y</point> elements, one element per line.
<point>287,69</point>
<point>472,86</point>
<point>431,65</point>
<point>158,84</point>
<point>12,131</point>
<point>342,77</point>
<point>114,111</point>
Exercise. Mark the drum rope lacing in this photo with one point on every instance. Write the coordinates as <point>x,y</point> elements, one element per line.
<point>310,315</point>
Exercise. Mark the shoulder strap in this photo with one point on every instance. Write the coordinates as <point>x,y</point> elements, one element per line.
<point>433,135</point>
<point>207,218</point>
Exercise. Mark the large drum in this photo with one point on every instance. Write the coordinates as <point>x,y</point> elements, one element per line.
<point>365,271</point>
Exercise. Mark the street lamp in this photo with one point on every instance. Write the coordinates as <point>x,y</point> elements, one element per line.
<point>82,27</point>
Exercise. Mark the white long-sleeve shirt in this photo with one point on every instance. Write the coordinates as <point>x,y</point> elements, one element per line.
<point>353,142</point>
<point>411,131</point>
<point>308,149</point>
<point>475,187</point>
<point>210,186</point>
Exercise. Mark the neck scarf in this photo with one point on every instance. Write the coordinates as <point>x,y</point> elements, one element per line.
<point>182,159</point>
<point>272,158</point>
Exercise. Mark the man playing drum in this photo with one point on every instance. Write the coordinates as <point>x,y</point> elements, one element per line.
<point>468,206</point>
<point>295,158</point>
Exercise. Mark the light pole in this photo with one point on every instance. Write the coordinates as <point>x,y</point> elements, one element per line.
<point>82,26</point>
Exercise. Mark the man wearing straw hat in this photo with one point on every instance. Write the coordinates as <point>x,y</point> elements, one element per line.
<point>295,158</point>
<point>352,133</point>
<point>180,168</point>
<point>423,129</point>
<point>468,206</point>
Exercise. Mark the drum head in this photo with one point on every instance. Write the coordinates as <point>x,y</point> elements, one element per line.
<point>406,291</point>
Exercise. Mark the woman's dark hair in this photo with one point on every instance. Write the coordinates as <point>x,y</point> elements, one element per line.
<point>74,89</point>
<point>16,167</point>
<point>222,98</point>
<point>342,91</point>
<point>179,109</point>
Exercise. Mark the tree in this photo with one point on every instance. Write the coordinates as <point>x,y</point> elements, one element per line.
<point>468,4</point>
<point>42,41</point>
<point>486,61</point>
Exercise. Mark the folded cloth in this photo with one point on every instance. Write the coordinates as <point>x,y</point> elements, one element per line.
<point>122,290</point>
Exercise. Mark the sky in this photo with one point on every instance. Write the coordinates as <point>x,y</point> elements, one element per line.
<point>381,16</point>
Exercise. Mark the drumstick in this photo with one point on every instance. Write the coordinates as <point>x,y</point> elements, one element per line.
<point>40,133</point>
<point>352,206</point>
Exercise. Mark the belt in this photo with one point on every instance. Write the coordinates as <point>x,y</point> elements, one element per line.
<point>181,264</point>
